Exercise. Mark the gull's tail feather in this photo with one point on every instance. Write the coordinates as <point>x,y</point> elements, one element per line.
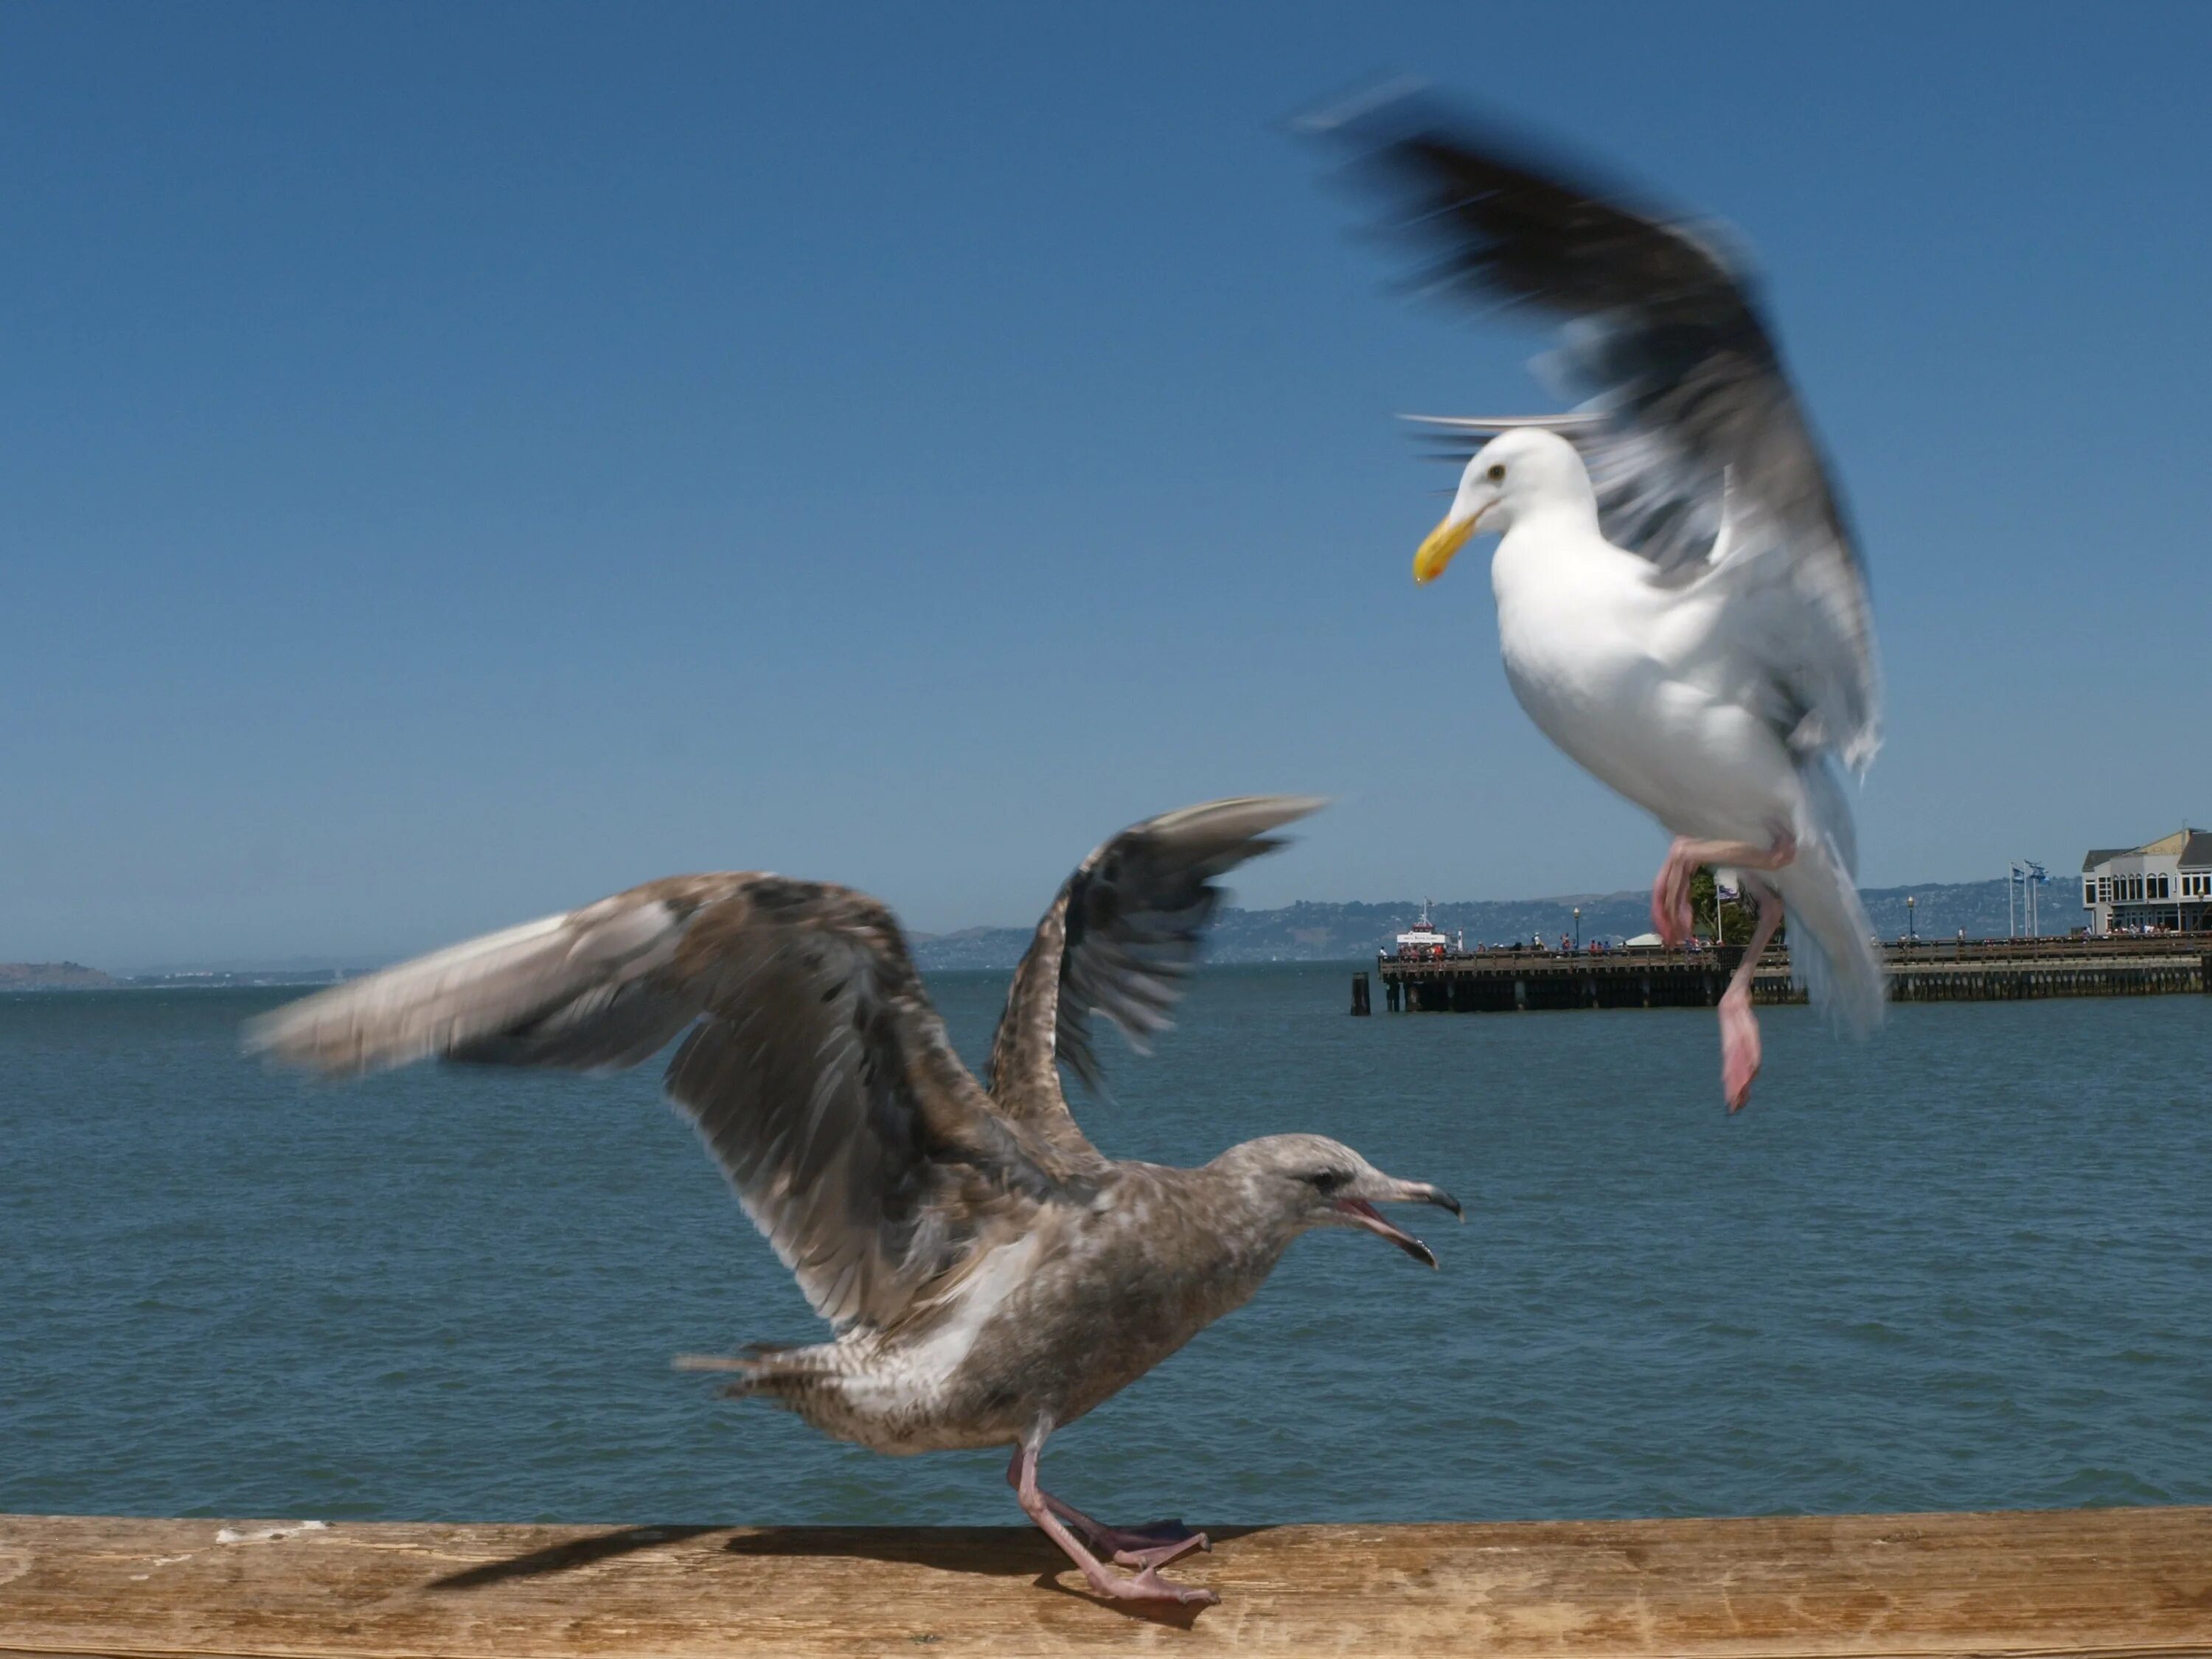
<point>789,1375</point>
<point>1831,941</point>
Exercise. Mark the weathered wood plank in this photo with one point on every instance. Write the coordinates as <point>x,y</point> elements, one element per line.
<point>2109,1582</point>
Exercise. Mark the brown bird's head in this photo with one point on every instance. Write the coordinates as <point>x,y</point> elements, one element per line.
<point>1309,1181</point>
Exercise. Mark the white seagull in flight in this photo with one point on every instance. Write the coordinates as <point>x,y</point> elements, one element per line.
<point>1679,604</point>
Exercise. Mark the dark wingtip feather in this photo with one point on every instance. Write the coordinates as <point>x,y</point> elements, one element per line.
<point>1404,125</point>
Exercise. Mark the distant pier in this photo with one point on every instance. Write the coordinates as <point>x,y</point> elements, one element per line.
<point>1964,970</point>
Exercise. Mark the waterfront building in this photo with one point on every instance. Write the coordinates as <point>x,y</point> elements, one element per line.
<point>2167,883</point>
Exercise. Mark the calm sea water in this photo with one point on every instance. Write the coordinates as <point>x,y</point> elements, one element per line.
<point>1965,1265</point>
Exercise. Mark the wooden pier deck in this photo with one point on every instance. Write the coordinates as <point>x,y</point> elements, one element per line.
<point>2079,1582</point>
<point>1971,970</point>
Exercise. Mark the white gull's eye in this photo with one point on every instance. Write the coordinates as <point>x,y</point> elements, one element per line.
<point>1498,473</point>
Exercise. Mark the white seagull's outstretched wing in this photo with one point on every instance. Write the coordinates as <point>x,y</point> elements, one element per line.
<point>1690,417</point>
<point>816,1070</point>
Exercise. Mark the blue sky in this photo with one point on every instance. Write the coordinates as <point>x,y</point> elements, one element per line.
<point>456,462</point>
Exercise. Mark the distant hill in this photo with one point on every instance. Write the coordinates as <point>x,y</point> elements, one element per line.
<point>1976,908</point>
<point>1310,932</point>
<point>1305,932</point>
<point>224,979</point>
<point>275,971</point>
<point>971,947</point>
<point>51,976</point>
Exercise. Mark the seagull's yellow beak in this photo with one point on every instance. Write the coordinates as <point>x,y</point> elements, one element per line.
<point>1446,540</point>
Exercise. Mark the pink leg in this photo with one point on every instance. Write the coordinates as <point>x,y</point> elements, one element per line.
<point>1740,1052</point>
<point>1670,890</point>
<point>1053,1518</point>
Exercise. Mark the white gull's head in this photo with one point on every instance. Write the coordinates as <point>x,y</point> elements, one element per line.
<point>1512,477</point>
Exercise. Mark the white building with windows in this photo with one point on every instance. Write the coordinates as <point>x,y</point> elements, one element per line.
<point>2167,883</point>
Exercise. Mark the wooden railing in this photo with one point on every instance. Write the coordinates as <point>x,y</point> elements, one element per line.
<point>2134,1582</point>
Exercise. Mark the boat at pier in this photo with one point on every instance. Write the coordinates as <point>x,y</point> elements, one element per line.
<point>1426,942</point>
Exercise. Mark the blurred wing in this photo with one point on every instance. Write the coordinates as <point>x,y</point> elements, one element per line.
<point>1119,937</point>
<point>583,990</point>
<point>817,1073</point>
<point>1805,621</point>
<point>1690,414</point>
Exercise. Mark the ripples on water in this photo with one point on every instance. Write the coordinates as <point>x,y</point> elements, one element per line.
<point>1961,1267</point>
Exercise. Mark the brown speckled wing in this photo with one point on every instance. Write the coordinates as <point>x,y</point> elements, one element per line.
<point>1120,936</point>
<point>816,1071</point>
<point>824,1084</point>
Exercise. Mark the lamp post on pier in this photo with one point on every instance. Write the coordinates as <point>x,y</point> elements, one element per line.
<point>1578,929</point>
<point>1911,930</point>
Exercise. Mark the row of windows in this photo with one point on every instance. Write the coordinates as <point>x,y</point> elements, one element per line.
<point>2133,889</point>
<point>2195,885</point>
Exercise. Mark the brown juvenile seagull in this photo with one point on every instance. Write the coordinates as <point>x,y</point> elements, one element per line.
<point>990,1276</point>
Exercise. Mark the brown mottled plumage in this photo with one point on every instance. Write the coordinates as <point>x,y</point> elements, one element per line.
<point>988,1273</point>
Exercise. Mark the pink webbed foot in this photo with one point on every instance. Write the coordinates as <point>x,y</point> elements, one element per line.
<point>1159,1552</point>
<point>1740,1052</point>
<point>1149,1586</point>
<point>1153,1545</point>
<point>1146,1550</point>
<point>1084,1540</point>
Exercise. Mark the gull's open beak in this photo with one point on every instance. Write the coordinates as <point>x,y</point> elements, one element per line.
<point>1361,1213</point>
<point>1446,540</point>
